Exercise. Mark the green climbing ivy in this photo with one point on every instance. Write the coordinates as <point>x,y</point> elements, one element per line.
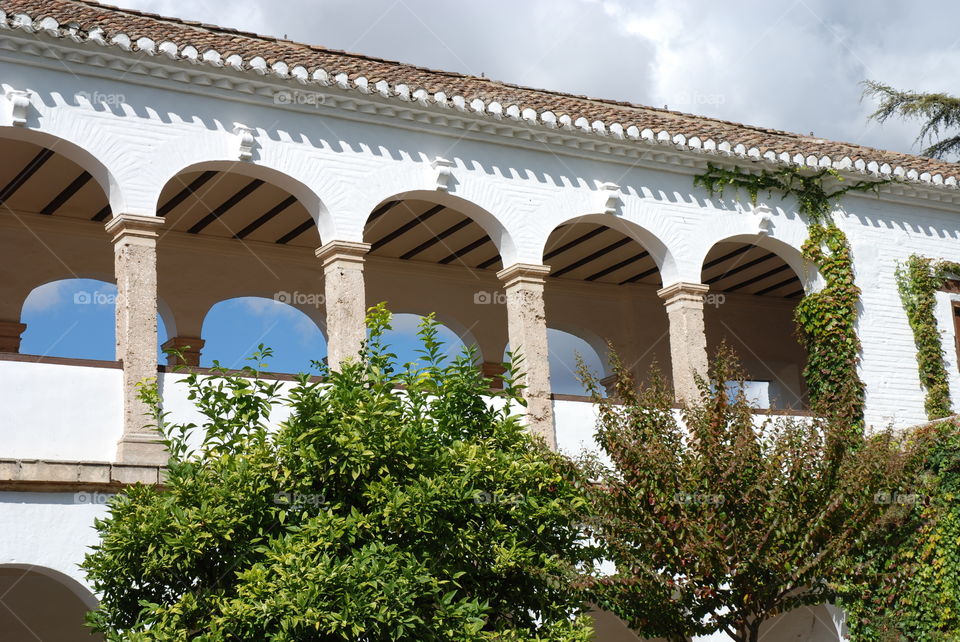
<point>826,319</point>
<point>918,280</point>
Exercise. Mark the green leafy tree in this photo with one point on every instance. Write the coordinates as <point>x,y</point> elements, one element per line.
<point>940,114</point>
<point>394,504</point>
<point>717,522</point>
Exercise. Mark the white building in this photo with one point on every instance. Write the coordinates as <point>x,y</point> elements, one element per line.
<point>190,164</point>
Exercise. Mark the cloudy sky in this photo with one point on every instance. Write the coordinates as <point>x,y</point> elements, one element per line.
<point>791,64</point>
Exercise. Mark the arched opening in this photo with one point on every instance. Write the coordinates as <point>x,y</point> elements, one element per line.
<point>40,604</point>
<point>234,328</point>
<point>753,294</point>
<point>74,318</point>
<point>563,350</point>
<point>51,223</point>
<point>238,230</point>
<point>603,287</point>
<point>430,254</point>
<point>403,342</point>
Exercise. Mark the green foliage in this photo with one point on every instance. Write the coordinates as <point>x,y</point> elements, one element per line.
<point>717,522</point>
<point>909,589</point>
<point>371,514</point>
<point>918,280</point>
<point>938,111</point>
<point>826,319</point>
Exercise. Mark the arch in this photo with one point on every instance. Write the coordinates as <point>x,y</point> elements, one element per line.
<point>305,195</point>
<point>460,330</point>
<point>42,603</point>
<point>92,298</point>
<point>402,340</point>
<point>657,249</point>
<point>78,155</point>
<point>489,223</point>
<point>754,289</point>
<point>295,336</point>
<point>805,270</point>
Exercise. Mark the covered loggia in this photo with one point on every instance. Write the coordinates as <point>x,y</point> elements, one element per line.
<point>232,231</point>
<point>37,603</point>
<point>602,288</point>
<point>754,291</point>
<point>429,253</point>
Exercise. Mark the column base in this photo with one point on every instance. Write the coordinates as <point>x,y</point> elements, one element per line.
<point>539,420</point>
<point>144,449</point>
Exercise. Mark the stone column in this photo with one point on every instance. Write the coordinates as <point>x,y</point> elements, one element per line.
<point>189,349</point>
<point>135,267</point>
<point>10,332</point>
<point>527,329</point>
<point>345,299</point>
<point>688,339</point>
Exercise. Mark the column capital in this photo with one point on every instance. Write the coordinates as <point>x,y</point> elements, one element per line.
<point>10,332</point>
<point>188,347</point>
<point>134,225</point>
<point>683,290</point>
<point>529,273</point>
<point>350,251</point>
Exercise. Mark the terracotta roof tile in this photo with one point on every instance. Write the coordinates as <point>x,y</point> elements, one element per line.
<point>111,20</point>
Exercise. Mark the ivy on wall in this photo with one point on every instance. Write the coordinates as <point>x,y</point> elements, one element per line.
<point>826,319</point>
<point>918,280</point>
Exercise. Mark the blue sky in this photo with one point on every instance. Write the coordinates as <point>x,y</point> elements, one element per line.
<point>75,318</point>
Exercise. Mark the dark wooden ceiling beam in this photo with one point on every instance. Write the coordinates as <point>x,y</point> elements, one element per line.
<point>383,209</point>
<point>24,174</point>
<point>66,193</point>
<point>103,213</point>
<point>466,249</point>
<point>406,227</point>
<point>575,242</point>
<point>726,257</point>
<point>224,207</point>
<point>642,275</point>
<point>777,286</point>
<point>272,212</point>
<point>741,268</point>
<point>758,278</point>
<point>180,196</point>
<point>426,245</point>
<point>592,257</point>
<point>617,266</point>
<point>489,262</point>
<point>297,231</point>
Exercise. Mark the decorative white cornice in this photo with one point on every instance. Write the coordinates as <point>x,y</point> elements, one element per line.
<point>673,151</point>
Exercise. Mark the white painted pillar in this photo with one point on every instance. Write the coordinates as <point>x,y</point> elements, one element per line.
<point>135,268</point>
<point>688,338</point>
<point>345,299</point>
<point>10,332</point>
<point>527,328</point>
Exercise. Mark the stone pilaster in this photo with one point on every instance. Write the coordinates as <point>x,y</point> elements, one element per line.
<point>345,298</point>
<point>135,267</point>
<point>10,332</point>
<point>189,349</point>
<point>688,339</point>
<point>527,329</point>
